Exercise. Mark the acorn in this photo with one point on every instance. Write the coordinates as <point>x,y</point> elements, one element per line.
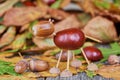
<point>37,65</point>
<point>113,59</point>
<point>21,66</point>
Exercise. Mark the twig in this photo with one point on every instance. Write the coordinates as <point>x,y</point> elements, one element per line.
<point>68,59</point>
<point>97,40</point>
<point>20,55</point>
<point>58,62</point>
<point>85,56</point>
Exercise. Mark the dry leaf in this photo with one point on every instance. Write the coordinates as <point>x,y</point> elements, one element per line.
<point>110,71</point>
<point>101,28</point>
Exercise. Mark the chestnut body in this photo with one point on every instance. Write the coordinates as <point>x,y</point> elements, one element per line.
<point>69,39</point>
<point>93,53</point>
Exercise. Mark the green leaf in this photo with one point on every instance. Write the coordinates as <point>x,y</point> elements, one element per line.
<point>29,35</point>
<point>6,68</point>
<point>76,52</point>
<point>4,62</point>
<point>117,2</point>
<point>19,4</point>
<point>115,49</point>
<point>1,19</point>
<point>9,51</point>
<point>102,4</point>
<point>90,74</point>
<point>2,28</point>
<point>56,5</point>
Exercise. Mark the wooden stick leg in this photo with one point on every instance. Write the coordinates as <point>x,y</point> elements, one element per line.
<point>97,40</point>
<point>20,55</point>
<point>58,62</point>
<point>68,59</point>
<point>85,56</point>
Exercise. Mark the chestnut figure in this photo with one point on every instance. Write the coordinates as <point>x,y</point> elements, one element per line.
<point>64,56</point>
<point>93,53</point>
<point>69,39</point>
<point>36,65</point>
<point>43,29</point>
<point>113,59</point>
<point>21,66</point>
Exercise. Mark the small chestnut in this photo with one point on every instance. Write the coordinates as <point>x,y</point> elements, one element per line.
<point>37,65</point>
<point>113,59</point>
<point>21,66</point>
<point>43,29</point>
<point>64,56</point>
<point>93,53</point>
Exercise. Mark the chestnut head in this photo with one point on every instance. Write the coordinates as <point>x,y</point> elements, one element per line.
<point>43,29</point>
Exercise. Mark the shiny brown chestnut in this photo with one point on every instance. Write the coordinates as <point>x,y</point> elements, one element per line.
<point>43,29</point>
<point>93,53</point>
<point>69,39</point>
<point>37,65</point>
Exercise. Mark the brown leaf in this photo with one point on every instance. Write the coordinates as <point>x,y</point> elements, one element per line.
<point>6,6</point>
<point>44,43</point>
<point>65,3</point>
<point>88,7</point>
<point>57,14</point>
<point>19,16</point>
<point>8,37</point>
<point>110,71</point>
<point>69,22</point>
<point>101,28</point>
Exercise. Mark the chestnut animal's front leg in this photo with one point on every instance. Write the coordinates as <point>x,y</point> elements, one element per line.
<point>58,62</point>
<point>56,70</point>
<point>67,72</point>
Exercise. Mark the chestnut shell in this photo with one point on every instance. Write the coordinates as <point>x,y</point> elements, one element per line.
<point>69,39</point>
